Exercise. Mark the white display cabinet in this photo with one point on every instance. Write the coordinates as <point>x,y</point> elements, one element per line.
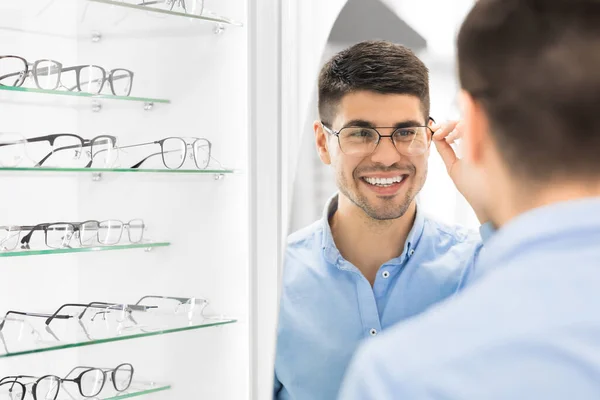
<point>209,234</point>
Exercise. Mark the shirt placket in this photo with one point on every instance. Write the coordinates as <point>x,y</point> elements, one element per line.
<point>367,305</point>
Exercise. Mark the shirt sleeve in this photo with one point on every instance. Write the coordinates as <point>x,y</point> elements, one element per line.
<point>486,231</point>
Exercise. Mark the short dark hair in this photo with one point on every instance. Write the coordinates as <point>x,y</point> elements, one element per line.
<point>534,67</point>
<point>378,66</point>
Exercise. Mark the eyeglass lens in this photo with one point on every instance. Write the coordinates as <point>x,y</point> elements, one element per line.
<point>59,235</point>
<point>12,71</point>
<point>46,74</point>
<point>362,141</point>
<point>12,391</point>
<point>47,388</point>
<point>122,377</point>
<point>174,152</point>
<point>12,149</point>
<point>92,382</point>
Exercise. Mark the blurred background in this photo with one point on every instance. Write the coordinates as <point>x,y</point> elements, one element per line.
<point>318,30</point>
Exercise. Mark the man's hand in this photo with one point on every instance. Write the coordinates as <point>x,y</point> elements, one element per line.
<point>467,181</point>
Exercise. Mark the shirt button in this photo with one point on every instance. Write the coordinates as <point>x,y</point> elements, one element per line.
<point>386,274</point>
<point>410,253</point>
<point>373,332</point>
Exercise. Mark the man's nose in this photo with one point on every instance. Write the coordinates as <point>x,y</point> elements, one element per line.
<point>386,152</point>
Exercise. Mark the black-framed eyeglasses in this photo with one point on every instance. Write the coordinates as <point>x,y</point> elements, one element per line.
<point>105,307</point>
<point>42,388</point>
<point>65,150</point>
<point>125,309</point>
<point>90,381</point>
<point>360,141</point>
<point>12,390</point>
<point>92,78</point>
<point>14,70</point>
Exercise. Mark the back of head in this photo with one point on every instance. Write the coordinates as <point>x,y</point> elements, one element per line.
<point>377,66</point>
<point>534,67</point>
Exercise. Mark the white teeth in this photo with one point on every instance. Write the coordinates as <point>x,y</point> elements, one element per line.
<point>384,181</point>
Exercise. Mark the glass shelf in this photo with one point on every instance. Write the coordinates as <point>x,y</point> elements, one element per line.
<point>109,393</point>
<point>120,170</point>
<point>85,95</point>
<point>19,337</point>
<point>206,17</point>
<point>37,252</point>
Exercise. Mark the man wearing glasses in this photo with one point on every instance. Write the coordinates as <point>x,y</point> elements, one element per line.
<point>375,258</point>
<point>527,326</point>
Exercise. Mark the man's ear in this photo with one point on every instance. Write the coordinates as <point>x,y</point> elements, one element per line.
<point>476,129</point>
<point>321,141</point>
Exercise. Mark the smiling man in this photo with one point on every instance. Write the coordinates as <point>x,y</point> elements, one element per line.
<point>375,258</point>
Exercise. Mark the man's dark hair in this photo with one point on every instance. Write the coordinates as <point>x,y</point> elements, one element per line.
<point>534,67</point>
<point>377,66</point>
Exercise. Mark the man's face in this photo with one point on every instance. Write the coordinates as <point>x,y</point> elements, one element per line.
<point>359,178</point>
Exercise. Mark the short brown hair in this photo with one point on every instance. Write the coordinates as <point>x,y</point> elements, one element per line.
<point>534,66</point>
<point>377,66</point>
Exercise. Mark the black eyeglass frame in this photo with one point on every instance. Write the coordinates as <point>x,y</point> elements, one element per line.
<point>52,138</point>
<point>105,371</point>
<point>337,133</point>
<point>33,70</point>
<point>14,382</point>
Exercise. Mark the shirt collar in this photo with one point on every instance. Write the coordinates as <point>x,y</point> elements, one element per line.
<point>540,224</point>
<point>331,252</point>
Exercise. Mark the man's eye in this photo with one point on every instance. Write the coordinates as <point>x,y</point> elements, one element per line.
<point>406,132</point>
<point>362,133</point>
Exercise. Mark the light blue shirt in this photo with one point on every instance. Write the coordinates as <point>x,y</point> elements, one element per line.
<point>527,326</point>
<point>327,306</point>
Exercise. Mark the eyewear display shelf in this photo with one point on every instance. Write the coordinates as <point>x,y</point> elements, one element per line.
<point>121,170</point>
<point>20,340</point>
<point>209,17</point>
<point>38,252</point>
<point>147,100</point>
<point>135,390</point>
<point>224,344</point>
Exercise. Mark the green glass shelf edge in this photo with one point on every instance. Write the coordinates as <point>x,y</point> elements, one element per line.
<point>140,393</point>
<point>221,20</point>
<point>85,95</point>
<point>117,339</point>
<point>121,170</point>
<point>23,253</point>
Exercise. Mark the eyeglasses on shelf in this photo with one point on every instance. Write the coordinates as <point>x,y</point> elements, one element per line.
<point>50,74</point>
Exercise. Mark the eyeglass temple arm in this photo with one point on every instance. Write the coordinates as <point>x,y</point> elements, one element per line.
<point>156,154</point>
<point>75,146</point>
<point>78,368</point>
<point>41,227</point>
<point>56,313</point>
<point>137,165</point>
<point>127,147</point>
<point>37,315</point>
<point>30,140</point>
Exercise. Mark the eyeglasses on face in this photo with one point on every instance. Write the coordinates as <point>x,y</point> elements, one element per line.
<point>361,141</point>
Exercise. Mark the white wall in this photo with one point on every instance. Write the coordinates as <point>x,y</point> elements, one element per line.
<point>206,77</point>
